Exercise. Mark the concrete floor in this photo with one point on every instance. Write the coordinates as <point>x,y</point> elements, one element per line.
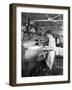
<point>41,69</point>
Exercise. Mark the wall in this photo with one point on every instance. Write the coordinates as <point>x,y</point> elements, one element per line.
<point>4,45</point>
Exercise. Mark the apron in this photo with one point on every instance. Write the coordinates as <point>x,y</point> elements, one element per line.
<point>50,59</point>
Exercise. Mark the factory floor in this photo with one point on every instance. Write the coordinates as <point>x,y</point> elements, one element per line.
<point>41,69</point>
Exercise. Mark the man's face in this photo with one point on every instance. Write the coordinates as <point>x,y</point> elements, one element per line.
<point>48,35</point>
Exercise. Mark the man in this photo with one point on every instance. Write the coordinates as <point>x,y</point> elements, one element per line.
<point>23,29</point>
<point>51,50</point>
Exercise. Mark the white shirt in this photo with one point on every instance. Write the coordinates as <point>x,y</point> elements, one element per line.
<point>52,43</point>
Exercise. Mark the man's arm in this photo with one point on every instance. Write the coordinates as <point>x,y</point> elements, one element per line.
<point>52,45</point>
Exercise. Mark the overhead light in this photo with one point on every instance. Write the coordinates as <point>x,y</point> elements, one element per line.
<point>49,19</point>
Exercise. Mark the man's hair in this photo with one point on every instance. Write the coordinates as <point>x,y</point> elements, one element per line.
<point>49,32</point>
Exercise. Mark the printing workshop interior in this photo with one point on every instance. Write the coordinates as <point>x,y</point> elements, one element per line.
<point>33,33</point>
